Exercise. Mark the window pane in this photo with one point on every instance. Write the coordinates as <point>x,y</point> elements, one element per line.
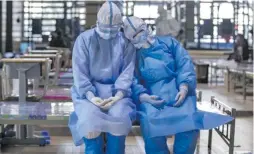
<point>226,11</point>
<point>205,10</point>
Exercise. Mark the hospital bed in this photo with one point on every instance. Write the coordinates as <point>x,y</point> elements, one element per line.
<point>240,77</point>
<point>10,88</point>
<point>66,53</point>
<point>16,112</point>
<point>63,76</point>
<point>54,51</point>
<point>56,58</point>
<point>226,131</point>
<point>23,69</point>
<point>238,73</point>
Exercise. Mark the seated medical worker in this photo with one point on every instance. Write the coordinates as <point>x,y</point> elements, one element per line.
<point>103,65</point>
<point>166,89</point>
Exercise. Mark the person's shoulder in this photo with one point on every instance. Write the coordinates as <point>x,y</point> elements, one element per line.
<point>86,34</point>
<point>123,38</point>
<point>167,40</point>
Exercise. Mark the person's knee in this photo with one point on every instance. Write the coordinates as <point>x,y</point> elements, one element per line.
<point>93,135</point>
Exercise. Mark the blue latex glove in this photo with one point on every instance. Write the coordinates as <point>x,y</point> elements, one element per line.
<point>181,95</point>
<point>152,99</point>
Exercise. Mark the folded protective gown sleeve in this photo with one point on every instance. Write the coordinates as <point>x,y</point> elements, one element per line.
<point>124,81</point>
<point>184,66</point>
<point>82,81</point>
<point>137,89</point>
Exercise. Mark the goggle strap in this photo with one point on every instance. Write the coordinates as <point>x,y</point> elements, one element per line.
<point>131,24</point>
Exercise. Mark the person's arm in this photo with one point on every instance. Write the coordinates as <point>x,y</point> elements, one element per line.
<point>124,81</point>
<point>186,75</point>
<point>122,86</point>
<point>137,88</point>
<point>82,81</point>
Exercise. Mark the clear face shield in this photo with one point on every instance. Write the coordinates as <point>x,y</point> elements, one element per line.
<point>108,31</point>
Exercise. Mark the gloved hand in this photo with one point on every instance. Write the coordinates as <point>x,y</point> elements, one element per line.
<point>112,100</point>
<point>95,100</point>
<point>152,99</point>
<point>181,95</point>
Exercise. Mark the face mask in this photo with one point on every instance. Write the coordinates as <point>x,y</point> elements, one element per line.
<point>142,45</point>
<point>138,45</point>
<point>140,38</point>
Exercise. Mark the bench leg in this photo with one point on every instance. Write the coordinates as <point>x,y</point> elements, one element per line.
<point>244,86</point>
<point>210,136</point>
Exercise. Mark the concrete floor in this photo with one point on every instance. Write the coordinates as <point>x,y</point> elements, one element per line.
<point>61,141</point>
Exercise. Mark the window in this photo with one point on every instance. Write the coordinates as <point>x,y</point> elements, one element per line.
<point>51,15</point>
<point>146,11</point>
<point>226,11</point>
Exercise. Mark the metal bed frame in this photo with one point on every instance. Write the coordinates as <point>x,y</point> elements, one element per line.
<point>234,75</point>
<point>22,69</point>
<point>66,54</point>
<point>56,59</point>
<point>246,76</point>
<point>226,131</point>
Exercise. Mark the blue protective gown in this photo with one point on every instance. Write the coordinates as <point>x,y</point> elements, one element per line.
<point>103,67</point>
<point>161,69</point>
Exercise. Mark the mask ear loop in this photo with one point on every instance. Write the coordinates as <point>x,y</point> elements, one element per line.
<point>141,30</point>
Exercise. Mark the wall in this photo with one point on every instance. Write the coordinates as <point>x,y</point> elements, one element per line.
<point>17,27</point>
<point>92,8</point>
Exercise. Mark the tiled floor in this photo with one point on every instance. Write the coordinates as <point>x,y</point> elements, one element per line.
<point>134,145</point>
<point>61,142</point>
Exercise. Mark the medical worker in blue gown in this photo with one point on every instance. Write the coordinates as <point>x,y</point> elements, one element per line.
<point>103,66</point>
<point>165,87</point>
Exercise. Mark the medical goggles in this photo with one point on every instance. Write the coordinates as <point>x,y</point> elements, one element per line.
<point>140,36</point>
<point>109,28</point>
